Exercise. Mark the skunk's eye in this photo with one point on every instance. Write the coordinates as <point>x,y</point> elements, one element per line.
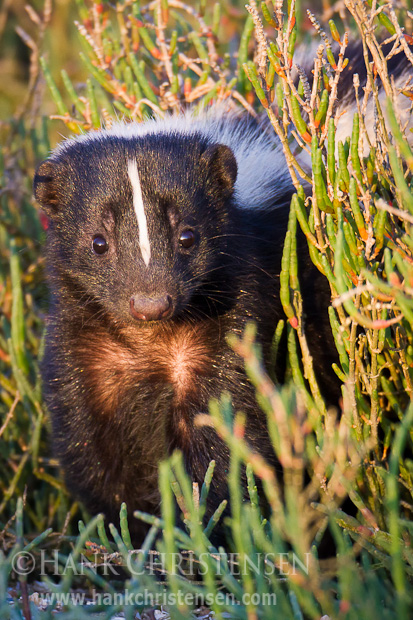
<point>187,239</point>
<point>100,245</point>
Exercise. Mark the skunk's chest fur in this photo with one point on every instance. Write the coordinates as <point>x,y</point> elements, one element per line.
<point>123,398</point>
<point>177,357</point>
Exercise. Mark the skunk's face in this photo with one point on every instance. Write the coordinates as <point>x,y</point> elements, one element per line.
<point>138,226</point>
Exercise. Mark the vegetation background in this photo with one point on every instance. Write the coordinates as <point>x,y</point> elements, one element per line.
<point>130,59</point>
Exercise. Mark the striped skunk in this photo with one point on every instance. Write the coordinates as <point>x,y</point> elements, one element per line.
<point>164,237</point>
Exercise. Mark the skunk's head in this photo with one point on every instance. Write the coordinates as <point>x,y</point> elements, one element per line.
<point>138,225</point>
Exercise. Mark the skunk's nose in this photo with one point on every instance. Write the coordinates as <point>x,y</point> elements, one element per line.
<point>148,309</point>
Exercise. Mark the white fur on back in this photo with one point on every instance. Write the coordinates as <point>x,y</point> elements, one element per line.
<point>348,109</point>
<point>262,173</point>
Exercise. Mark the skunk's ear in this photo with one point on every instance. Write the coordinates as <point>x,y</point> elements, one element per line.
<point>47,186</point>
<point>221,166</point>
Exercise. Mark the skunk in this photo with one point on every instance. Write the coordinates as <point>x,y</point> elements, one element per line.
<point>164,237</point>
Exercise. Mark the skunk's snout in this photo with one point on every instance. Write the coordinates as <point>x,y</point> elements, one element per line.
<point>148,309</point>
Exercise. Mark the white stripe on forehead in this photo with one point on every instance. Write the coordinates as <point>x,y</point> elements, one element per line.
<point>140,211</point>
